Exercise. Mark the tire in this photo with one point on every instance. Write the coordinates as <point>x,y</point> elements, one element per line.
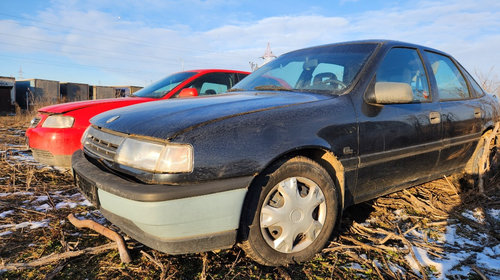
<point>289,213</point>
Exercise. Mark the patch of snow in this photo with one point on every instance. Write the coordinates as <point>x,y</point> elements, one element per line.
<point>85,203</point>
<point>6,226</point>
<point>40,224</point>
<point>354,266</point>
<point>24,157</point>
<point>494,213</point>
<point>377,263</point>
<point>60,169</point>
<point>72,201</point>
<point>368,222</point>
<point>41,198</point>
<point>33,225</point>
<point>489,258</point>
<point>16,146</point>
<point>401,214</point>
<point>452,238</point>
<point>412,263</point>
<point>16,193</point>
<point>96,216</point>
<point>425,260</point>
<point>449,264</point>
<point>396,269</point>
<point>477,215</point>
<point>5,233</point>
<point>65,204</point>
<point>416,233</point>
<point>22,225</point>
<point>6,213</point>
<point>44,207</point>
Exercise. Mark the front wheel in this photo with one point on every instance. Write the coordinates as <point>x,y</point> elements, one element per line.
<point>290,214</point>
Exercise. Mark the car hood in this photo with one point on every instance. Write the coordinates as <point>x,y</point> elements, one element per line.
<point>71,106</point>
<point>165,119</point>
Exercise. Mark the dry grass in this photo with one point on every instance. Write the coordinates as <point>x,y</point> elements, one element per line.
<point>375,240</point>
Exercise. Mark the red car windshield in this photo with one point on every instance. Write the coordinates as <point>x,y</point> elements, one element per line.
<point>164,86</point>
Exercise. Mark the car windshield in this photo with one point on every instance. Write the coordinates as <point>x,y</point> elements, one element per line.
<point>329,69</point>
<point>164,86</point>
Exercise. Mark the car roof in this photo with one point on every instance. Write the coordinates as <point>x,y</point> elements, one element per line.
<point>204,71</point>
<point>381,42</point>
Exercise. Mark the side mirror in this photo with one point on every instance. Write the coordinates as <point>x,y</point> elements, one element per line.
<point>188,92</point>
<point>390,93</point>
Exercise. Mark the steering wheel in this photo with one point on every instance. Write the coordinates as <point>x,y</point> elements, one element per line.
<point>331,81</point>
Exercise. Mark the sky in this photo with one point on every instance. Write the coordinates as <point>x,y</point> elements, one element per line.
<point>125,42</point>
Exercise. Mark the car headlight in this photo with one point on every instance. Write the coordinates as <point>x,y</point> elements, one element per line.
<point>58,121</point>
<point>155,157</point>
<point>84,136</point>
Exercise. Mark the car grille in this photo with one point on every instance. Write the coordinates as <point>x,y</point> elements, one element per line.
<point>102,144</point>
<point>35,121</point>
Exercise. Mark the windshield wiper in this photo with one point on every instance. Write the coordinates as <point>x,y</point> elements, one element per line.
<point>272,87</point>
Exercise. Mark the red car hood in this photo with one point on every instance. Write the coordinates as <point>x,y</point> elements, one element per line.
<point>71,106</point>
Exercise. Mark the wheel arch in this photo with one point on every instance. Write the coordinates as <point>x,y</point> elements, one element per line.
<point>323,156</point>
<point>471,165</point>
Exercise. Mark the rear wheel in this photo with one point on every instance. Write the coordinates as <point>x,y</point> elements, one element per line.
<point>290,214</point>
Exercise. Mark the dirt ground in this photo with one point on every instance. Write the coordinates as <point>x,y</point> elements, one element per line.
<point>440,230</point>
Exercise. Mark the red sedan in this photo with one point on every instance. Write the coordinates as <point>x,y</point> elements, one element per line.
<point>54,135</point>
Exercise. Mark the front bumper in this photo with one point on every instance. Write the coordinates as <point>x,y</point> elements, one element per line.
<point>173,219</point>
<point>48,158</point>
<point>54,146</point>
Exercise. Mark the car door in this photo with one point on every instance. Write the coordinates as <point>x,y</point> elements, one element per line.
<point>461,112</point>
<point>398,143</point>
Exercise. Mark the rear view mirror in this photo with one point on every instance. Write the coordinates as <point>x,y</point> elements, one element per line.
<point>188,92</point>
<point>390,93</point>
<point>310,64</point>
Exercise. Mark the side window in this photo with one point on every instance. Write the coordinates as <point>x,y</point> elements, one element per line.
<point>477,90</point>
<point>241,76</point>
<point>209,88</point>
<point>450,82</point>
<point>213,83</point>
<point>402,65</point>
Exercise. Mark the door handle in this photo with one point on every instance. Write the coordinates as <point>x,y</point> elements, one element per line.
<point>434,117</point>
<point>477,113</point>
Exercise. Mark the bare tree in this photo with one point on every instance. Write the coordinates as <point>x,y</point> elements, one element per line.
<point>489,81</point>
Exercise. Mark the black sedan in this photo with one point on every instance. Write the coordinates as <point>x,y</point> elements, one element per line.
<point>272,164</point>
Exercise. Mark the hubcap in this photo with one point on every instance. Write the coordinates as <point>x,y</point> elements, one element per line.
<point>293,215</point>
